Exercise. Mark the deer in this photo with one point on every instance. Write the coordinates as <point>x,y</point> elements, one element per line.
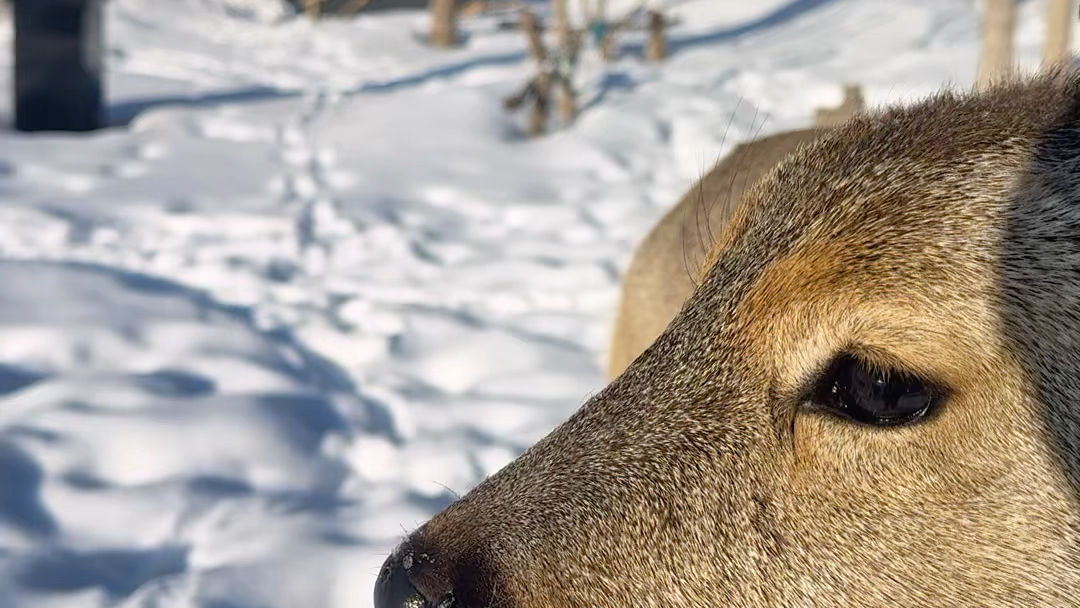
<point>660,276</point>
<point>868,399</point>
<point>662,270</point>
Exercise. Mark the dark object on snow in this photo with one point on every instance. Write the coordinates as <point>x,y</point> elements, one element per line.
<point>347,8</point>
<point>58,65</point>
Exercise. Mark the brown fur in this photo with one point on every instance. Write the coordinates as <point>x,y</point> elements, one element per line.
<point>663,270</point>
<point>944,239</point>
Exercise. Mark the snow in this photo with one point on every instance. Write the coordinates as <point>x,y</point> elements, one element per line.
<point>313,281</point>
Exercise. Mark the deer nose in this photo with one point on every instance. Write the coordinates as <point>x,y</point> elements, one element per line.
<point>426,572</point>
<point>394,587</point>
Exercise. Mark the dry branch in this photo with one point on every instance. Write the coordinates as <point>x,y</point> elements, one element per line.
<point>554,74</point>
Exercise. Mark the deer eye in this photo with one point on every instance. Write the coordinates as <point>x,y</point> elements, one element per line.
<point>852,389</point>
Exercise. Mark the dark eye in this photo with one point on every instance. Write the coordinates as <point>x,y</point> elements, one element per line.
<point>854,390</point>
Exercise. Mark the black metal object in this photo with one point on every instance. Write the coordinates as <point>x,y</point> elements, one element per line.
<point>58,65</point>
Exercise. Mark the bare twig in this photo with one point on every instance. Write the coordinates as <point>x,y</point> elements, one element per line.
<point>657,48</point>
<point>554,75</point>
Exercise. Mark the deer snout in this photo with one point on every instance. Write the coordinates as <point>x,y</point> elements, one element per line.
<point>393,589</point>
<point>417,575</point>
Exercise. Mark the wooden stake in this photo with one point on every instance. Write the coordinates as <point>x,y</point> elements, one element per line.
<point>538,116</point>
<point>567,101</point>
<point>657,49</point>
<point>999,23</point>
<point>852,104</point>
<point>443,28</point>
<point>561,22</point>
<point>531,27</point>
<point>607,46</point>
<point>567,94</point>
<point>1059,18</point>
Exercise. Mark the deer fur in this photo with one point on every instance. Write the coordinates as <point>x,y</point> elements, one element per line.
<point>941,238</point>
<point>663,269</point>
<point>660,276</point>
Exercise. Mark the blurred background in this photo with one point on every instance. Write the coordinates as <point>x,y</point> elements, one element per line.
<point>317,268</point>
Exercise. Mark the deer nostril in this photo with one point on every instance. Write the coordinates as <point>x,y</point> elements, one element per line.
<point>393,589</point>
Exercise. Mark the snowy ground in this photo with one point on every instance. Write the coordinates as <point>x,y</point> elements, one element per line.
<point>313,281</point>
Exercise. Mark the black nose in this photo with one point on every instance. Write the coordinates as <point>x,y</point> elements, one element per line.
<point>422,573</point>
<point>394,589</point>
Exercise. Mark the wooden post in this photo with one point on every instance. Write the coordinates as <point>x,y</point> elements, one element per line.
<point>607,42</point>
<point>554,76</point>
<point>607,46</point>
<point>311,8</point>
<point>567,95</point>
<point>657,49</point>
<point>561,21</point>
<point>58,65</point>
<point>567,101</point>
<point>531,27</point>
<point>852,104</point>
<point>538,115</point>
<point>995,61</point>
<point>1059,18</point>
<point>443,26</point>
